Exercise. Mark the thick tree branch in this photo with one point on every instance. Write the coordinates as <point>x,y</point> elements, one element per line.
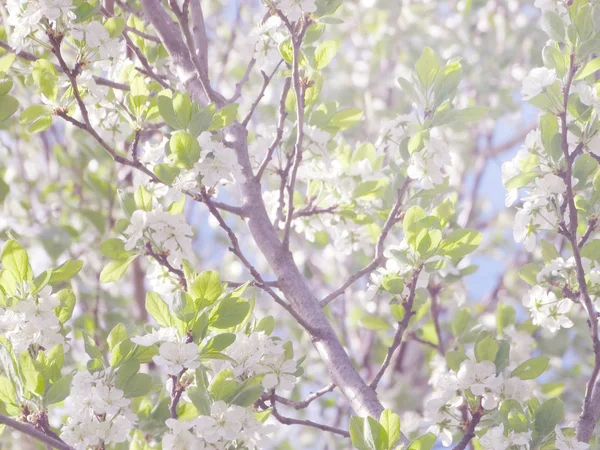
<point>36,434</point>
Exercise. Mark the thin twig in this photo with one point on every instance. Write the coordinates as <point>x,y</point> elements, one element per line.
<point>266,81</point>
<point>307,423</point>
<point>392,219</point>
<point>402,326</point>
<point>280,125</point>
<point>308,400</point>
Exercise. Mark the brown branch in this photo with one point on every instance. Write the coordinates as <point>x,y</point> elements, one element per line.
<point>299,90</point>
<point>147,36</point>
<point>29,430</point>
<point>588,232</point>
<point>310,210</point>
<point>308,400</point>
<point>237,251</point>
<point>402,326</point>
<point>392,219</point>
<point>266,82</point>
<point>164,261</point>
<point>31,57</point>
<point>470,430</point>
<point>280,125</point>
<point>307,423</point>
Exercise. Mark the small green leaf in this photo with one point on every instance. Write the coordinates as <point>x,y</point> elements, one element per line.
<point>67,305</point>
<point>66,271</point>
<point>114,26</point>
<point>207,287</point>
<point>324,53</point>
<point>532,368</point>
<point>158,309</point>
<point>486,349</point>
<point>425,442</point>
<point>8,106</point>
<point>14,259</point>
<point>59,390</point>
<point>548,415</point>
<point>427,67</point>
<point>115,270</point>
<point>345,118</point>
<point>185,149</point>
<point>230,312</point>
<point>454,359</point>
<point>391,424</point>
<point>460,243</point>
<point>137,385</point>
<point>587,70</point>
<point>224,117</point>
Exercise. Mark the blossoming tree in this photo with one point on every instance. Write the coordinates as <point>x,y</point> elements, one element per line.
<point>254,224</point>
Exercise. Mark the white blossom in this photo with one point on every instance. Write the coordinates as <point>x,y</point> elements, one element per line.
<point>535,82</point>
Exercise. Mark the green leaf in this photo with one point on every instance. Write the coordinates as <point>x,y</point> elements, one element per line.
<point>357,435</point>
<point>324,53</point>
<point>116,335</point>
<point>521,180</point>
<point>67,305</point>
<point>158,309</point>
<point>472,114</point>
<point>554,26</point>
<point>114,248</point>
<point>59,390</point>
<point>391,424</point>
<point>45,75</point>
<point>8,394</point>
<point>183,108</point>
<point>91,348</point>
<point>185,149</point>
<point>230,312</point>
<point>587,70</point>
<point>548,415</point>
<point>345,118</point>
<point>224,117</point>
<point>8,106</point>
<point>14,259</point>
<point>207,287</point>
<point>460,243</point>
<point>201,400</point>
<point>114,26</point>
<point>6,62</point>
<point>425,442</point>
<point>412,216</point>
<point>375,435</point>
<point>532,368</point>
<point>591,250</point>
<point>34,382</point>
<point>393,284</point>
<point>223,385</point>
<point>143,198</point>
<point>138,385</point>
<point>427,67</point>
<point>528,273</point>
<point>454,359</point>
<point>66,271</point>
<point>115,270</point>
<point>38,117</point>
<point>219,342</point>
<point>486,349</point>
<point>164,101</point>
<point>374,323</point>
<point>549,251</point>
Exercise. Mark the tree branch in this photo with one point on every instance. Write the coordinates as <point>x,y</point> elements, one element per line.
<point>392,219</point>
<point>402,326</point>
<point>308,400</point>
<point>36,434</point>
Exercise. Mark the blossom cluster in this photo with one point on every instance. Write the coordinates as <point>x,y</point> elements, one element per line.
<point>32,320</point>
<point>258,354</point>
<point>99,414</point>
<point>167,233</point>
<point>226,425</point>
